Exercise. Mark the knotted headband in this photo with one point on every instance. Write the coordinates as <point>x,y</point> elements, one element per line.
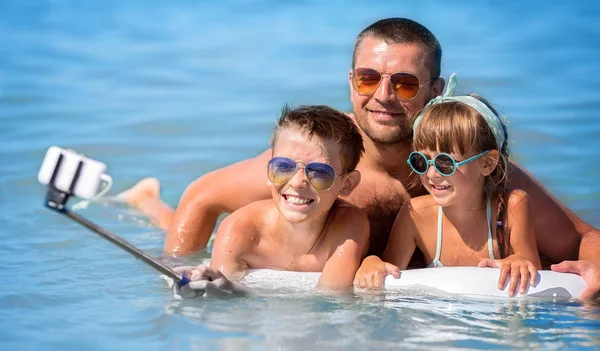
<point>493,121</point>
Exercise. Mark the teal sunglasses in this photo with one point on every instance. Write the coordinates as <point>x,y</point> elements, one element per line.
<point>445,164</point>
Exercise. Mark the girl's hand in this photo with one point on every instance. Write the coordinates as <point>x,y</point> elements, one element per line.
<point>372,272</point>
<point>518,268</point>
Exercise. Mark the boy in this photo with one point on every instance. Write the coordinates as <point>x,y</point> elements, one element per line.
<point>305,226</point>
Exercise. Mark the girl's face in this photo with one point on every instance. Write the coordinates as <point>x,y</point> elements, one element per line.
<point>296,199</point>
<point>464,187</point>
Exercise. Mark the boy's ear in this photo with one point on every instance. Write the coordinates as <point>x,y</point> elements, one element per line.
<point>350,182</point>
<point>490,161</point>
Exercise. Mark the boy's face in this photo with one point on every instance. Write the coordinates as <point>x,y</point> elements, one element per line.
<point>295,198</point>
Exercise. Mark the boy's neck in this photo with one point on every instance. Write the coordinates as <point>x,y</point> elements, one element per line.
<point>303,236</point>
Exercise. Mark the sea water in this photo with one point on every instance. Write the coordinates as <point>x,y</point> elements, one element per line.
<point>177,89</point>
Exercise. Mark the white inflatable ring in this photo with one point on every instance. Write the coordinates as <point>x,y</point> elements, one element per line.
<point>472,281</point>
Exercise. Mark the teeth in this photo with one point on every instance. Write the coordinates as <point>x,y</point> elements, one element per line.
<point>439,187</point>
<point>297,200</point>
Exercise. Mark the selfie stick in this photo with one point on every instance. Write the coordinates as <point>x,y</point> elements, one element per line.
<point>57,199</point>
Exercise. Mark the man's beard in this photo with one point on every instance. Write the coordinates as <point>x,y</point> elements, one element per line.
<point>399,136</point>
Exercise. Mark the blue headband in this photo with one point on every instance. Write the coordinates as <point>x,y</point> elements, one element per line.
<point>493,121</point>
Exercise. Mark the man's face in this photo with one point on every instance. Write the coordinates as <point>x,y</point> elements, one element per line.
<point>382,116</point>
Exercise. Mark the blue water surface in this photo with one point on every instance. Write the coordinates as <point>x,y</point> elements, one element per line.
<point>174,89</point>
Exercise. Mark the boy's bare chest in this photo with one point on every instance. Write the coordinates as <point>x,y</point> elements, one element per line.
<point>282,259</point>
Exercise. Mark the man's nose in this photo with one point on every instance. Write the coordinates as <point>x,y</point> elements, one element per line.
<point>384,91</point>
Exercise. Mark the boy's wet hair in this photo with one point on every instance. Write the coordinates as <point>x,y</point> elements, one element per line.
<point>399,30</point>
<point>453,127</point>
<point>325,123</point>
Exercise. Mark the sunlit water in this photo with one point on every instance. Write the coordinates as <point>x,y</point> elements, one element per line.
<point>176,89</point>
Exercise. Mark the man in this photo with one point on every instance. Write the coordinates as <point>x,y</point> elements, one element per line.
<point>382,103</point>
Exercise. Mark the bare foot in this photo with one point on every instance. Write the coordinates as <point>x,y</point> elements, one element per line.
<point>147,188</point>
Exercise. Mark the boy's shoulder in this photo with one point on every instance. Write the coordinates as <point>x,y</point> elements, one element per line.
<point>347,220</point>
<point>342,209</point>
<point>252,215</point>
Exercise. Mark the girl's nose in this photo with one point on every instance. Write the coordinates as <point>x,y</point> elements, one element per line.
<point>432,172</point>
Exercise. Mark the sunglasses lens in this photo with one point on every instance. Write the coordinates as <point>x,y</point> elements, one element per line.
<point>445,164</point>
<point>405,85</point>
<point>281,169</point>
<point>418,163</point>
<point>320,175</point>
<point>365,80</point>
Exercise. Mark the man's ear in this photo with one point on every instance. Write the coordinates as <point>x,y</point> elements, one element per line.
<point>350,183</point>
<point>350,83</point>
<point>438,87</point>
<point>490,161</point>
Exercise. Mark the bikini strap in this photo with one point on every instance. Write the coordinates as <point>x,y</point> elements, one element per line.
<point>438,249</point>
<point>488,212</point>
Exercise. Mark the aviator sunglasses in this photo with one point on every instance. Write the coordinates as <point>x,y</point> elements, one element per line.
<point>445,164</point>
<point>406,85</point>
<point>321,176</point>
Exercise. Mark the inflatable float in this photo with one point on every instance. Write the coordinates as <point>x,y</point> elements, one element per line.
<point>469,281</point>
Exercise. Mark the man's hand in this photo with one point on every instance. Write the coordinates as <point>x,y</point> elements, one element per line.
<point>589,270</point>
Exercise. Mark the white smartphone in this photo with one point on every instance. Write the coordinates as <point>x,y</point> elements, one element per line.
<point>86,185</point>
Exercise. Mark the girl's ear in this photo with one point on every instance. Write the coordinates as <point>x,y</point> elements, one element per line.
<point>490,161</point>
<point>350,183</point>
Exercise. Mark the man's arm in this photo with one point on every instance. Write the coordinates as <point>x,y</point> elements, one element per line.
<point>560,233</point>
<point>221,191</point>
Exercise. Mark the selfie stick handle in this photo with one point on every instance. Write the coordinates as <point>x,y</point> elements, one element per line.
<point>181,280</point>
<point>57,199</point>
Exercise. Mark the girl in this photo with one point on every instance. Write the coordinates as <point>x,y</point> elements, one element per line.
<point>470,217</point>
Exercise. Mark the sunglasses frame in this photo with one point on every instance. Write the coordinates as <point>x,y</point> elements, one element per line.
<point>432,162</point>
<point>382,75</point>
<point>299,165</point>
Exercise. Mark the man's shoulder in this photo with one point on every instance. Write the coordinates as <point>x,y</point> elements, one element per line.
<point>251,216</point>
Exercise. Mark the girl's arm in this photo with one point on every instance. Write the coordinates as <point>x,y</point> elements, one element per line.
<point>520,225</point>
<point>401,244</point>
<point>523,263</point>
<point>397,254</point>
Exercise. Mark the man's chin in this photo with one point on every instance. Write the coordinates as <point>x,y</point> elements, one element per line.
<point>389,137</point>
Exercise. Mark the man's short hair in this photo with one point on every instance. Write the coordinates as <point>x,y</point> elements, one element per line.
<point>399,30</point>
